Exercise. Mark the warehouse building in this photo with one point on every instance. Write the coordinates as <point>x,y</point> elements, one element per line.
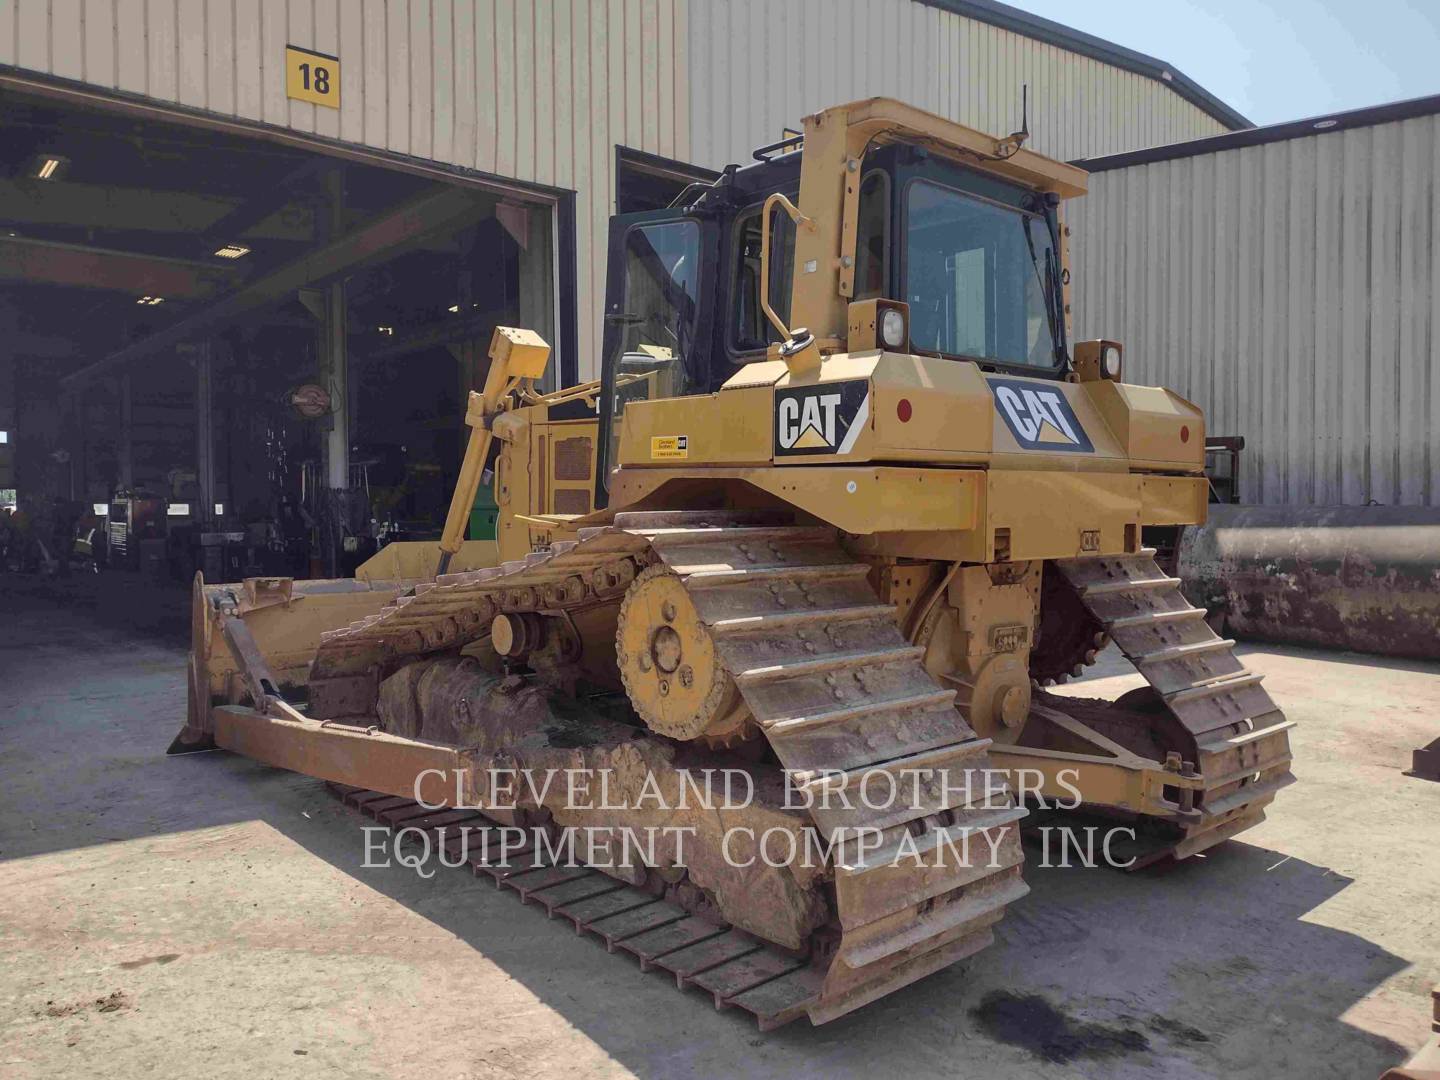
<point>1285,278</point>
<point>253,252</point>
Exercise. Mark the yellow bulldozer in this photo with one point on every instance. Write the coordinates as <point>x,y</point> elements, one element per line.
<point>843,501</point>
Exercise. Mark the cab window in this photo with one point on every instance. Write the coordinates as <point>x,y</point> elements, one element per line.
<point>872,237</point>
<point>661,295</point>
<point>981,278</point>
<point>751,331</point>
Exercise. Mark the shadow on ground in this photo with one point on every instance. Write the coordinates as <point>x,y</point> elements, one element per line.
<point>1095,970</point>
<point>1205,968</point>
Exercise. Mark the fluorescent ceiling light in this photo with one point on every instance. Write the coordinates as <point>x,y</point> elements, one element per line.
<point>233,251</point>
<point>455,309</point>
<point>49,167</point>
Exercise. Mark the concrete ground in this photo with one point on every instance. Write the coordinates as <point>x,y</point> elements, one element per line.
<point>206,916</point>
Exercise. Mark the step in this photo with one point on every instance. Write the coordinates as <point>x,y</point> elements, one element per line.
<point>1105,588</point>
<point>915,702</point>
<point>1177,652</point>
<point>1216,782</point>
<point>929,841</point>
<point>696,578</point>
<point>823,664</point>
<point>841,781</point>
<point>1247,794</point>
<point>1210,688</point>
<point>781,619</point>
<point>681,537</point>
<point>1126,621</point>
<point>1234,742</point>
<point>938,921</point>
<point>650,520</point>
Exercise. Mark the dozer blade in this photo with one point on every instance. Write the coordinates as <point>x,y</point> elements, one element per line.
<point>196,736</point>
<point>280,621</point>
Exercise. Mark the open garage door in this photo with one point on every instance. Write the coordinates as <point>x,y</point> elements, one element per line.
<point>232,350</point>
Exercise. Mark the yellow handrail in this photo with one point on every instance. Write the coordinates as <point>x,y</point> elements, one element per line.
<point>801,222</point>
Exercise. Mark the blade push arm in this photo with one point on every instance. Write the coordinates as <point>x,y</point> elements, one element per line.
<point>515,356</point>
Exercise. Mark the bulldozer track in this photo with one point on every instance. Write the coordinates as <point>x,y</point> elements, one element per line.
<point>842,698</point>
<point>1235,735</point>
<point>735,968</point>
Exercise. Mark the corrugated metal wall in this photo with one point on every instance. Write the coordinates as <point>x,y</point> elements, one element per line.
<point>543,90</point>
<point>534,90</point>
<point>1292,289</point>
<point>759,65</point>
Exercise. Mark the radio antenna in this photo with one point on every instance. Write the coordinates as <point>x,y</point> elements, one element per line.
<point>1010,145</point>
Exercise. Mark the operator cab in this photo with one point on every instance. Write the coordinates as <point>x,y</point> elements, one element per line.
<point>976,257</point>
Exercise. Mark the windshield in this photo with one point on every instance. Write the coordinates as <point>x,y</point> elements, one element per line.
<point>980,277</point>
<point>657,323</point>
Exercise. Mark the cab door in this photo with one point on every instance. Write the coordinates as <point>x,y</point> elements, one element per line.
<point>659,318</point>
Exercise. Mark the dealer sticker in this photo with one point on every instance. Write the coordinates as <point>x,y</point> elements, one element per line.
<point>669,447</point>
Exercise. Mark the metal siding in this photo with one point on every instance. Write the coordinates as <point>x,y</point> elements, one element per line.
<point>463,33</point>
<point>443,40</point>
<point>248,52</point>
<point>749,85</point>
<point>219,54</point>
<point>1431,436</point>
<point>130,46</point>
<point>274,27</point>
<point>9,31</point>
<point>423,117</point>
<point>544,90</point>
<point>99,42</point>
<point>1416,243</point>
<point>487,96</point>
<point>190,54</point>
<point>67,40</point>
<point>299,26</point>
<point>564,122</point>
<point>326,15</point>
<point>1290,289</point>
<point>395,50</point>
<point>32,34</point>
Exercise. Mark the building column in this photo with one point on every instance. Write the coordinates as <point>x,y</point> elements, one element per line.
<point>125,479</point>
<point>334,359</point>
<point>335,369</point>
<point>204,432</point>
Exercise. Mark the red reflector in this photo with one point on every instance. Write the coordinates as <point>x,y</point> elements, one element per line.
<point>1184,432</point>
<point>903,410</point>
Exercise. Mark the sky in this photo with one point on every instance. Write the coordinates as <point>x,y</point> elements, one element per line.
<point>1276,60</point>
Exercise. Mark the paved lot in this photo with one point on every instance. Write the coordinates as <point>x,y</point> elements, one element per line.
<point>206,916</point>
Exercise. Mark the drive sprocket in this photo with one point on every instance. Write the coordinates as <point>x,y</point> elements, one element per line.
<point>1070,638</point>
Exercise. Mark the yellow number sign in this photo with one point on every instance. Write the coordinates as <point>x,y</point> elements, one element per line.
<point>312,76</point>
